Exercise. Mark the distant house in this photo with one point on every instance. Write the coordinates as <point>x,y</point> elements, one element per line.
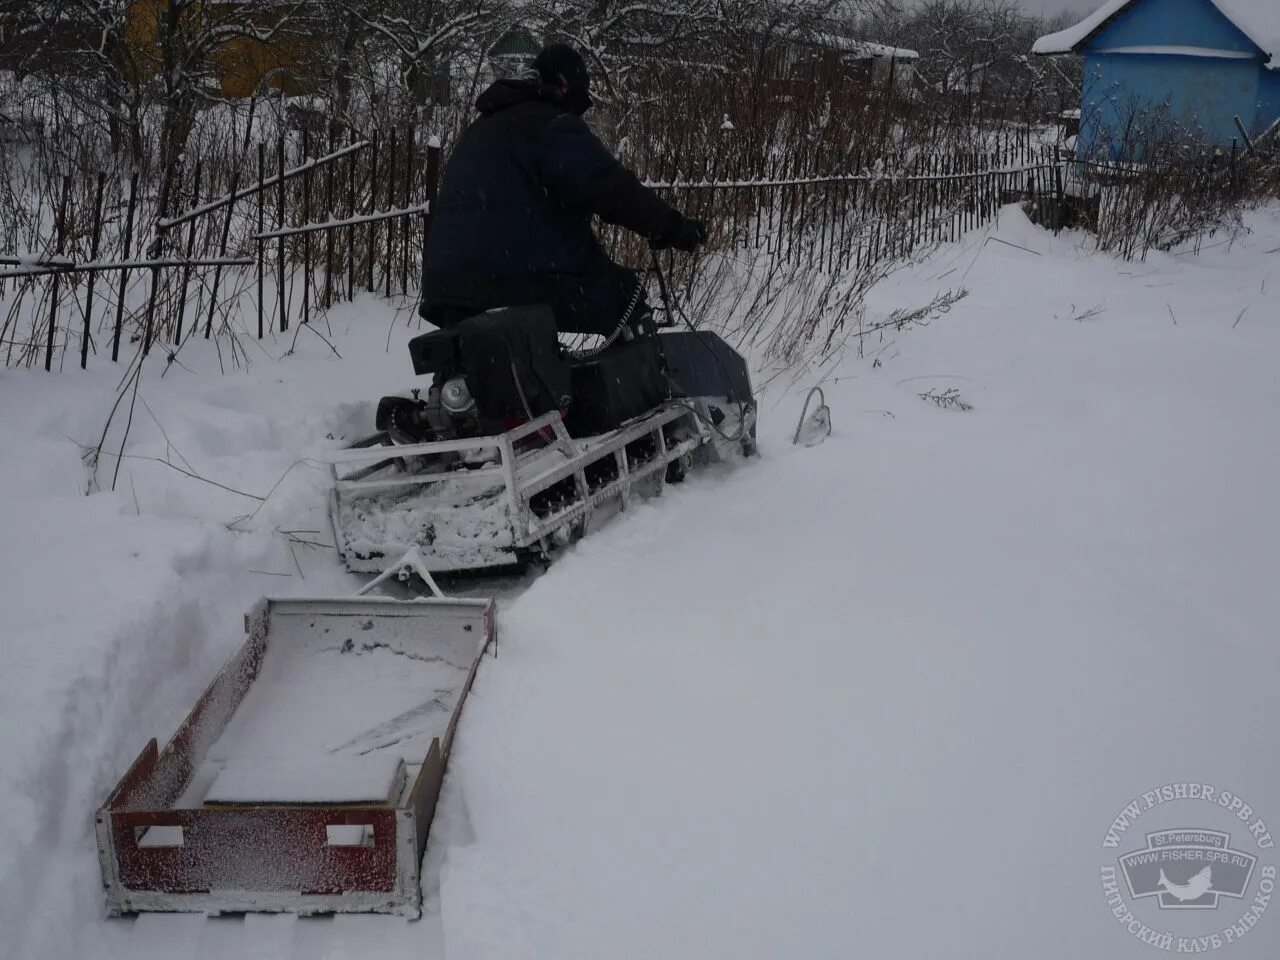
<point>239,65</point>
<point>875,64</point>
<point>838,59</point>
<point>506,53</point>
<point>1205,68</point>
<point>807,58</point>
<point>514,49</point>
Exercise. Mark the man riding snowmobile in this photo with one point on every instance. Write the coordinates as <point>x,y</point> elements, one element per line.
<point>512,224</point>
<point>520,441</point>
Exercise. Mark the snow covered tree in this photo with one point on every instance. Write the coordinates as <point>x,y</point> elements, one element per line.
<point>620,38</point>
<point>423,37</point>
<point>975,55</point>
<point>82,49</point>
<point>182,41</point>
<point>118,59</point>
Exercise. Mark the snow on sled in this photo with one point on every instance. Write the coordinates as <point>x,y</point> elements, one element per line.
<point>519,443</point>
<point>305,778</point>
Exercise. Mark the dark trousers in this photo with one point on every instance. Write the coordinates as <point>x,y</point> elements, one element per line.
<point>582,303</point>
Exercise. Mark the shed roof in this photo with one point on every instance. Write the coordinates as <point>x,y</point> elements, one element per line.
<point>1256,19</point>
<point>864,49</point>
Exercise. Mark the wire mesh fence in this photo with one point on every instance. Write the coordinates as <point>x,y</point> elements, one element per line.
<point>289,235</point>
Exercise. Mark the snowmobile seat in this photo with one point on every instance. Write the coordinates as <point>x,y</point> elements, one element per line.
<point>510,358</point>
<point>624,382</point>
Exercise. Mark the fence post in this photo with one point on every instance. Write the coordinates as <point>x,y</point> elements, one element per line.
<point>351,230</point>
<point>837,216</point>
<point>970,162</point>
<point>1058,198</point>
<point>93,274</point>
<point>918,190</point>
<point>408,189</point>
<point>283,323</point>
<point>954,181</point>
<point>373,205</point>
<point>391,224</point>
<point>60,228</point>
<point>153,253</point>
<point>825,201</point>
<point>793,192</point>
<point>262,165</point>
<point>124,273</point>
<point>306,219</point>
<point>433,187</point>
<point>186,267</point>
<point>328,214</point>
<point>938,196</point>
<point>222,252</point>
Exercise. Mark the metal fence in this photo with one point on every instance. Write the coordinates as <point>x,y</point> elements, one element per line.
<point>286,234</point>
<point>293,231</point>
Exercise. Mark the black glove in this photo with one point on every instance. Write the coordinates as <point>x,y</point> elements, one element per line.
<point>687,235</point>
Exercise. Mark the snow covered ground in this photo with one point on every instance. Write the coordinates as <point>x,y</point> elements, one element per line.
<point>883,697</point>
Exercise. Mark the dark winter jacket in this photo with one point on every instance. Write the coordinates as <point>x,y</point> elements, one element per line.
<point>512,224</point>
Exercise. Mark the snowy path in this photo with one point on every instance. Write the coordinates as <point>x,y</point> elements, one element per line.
<point>879,698</point>
<point>884,697</point>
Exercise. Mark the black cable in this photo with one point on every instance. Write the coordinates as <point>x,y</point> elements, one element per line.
<point>611,339</point>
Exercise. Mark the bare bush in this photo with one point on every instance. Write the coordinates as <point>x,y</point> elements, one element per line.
<point>1153,182</point>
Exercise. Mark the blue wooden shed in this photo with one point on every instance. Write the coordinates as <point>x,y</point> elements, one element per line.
<point>1197,64</point>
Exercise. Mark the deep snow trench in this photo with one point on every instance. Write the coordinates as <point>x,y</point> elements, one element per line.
<point>883,697</point>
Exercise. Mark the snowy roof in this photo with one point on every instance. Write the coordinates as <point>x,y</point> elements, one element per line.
<point>1256,19</point>
<point>864,48</point>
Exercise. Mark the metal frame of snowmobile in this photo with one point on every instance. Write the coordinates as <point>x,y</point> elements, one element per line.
<point>522,478</point>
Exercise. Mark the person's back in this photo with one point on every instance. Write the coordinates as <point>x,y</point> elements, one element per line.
<point>512,223</point>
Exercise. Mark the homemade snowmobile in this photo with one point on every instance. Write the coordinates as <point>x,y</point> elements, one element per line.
<point>306,777</point>
<point>520,442</point>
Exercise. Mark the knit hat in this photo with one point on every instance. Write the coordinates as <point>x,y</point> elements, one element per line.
<point>561,67</point>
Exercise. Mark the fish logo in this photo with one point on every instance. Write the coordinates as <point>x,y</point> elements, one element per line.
<point>1193,889</point>
<point>1188,869</point>
<point>1149,891</point>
